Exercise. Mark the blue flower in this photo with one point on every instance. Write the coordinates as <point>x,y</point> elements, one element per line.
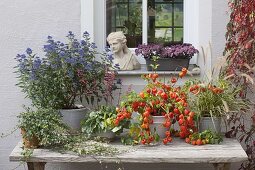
<point>49,37</point>
<point>85,34</point>
<point>81,52</point>
<point>62,53</point>
<point>48,48</point>
<point>22,67</point>
<point>70,35</point>
<point>93,45</point>
<point>29,51</point>
<point>110,56</point>
<point>107,49</point>
<point>32,76</point>
<point>70,60</point>
<point>37,63</point>
<point>83,42</point>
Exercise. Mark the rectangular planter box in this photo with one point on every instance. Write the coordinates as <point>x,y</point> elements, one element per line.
<point>168,64</point>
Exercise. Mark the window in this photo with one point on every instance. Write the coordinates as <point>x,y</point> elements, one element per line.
<point>161,23</point>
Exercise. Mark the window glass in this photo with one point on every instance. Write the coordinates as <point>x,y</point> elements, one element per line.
<point>126,16</point>
<point>164,20</point>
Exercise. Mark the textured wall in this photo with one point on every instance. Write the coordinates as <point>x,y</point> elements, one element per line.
<point>220,18</point>
<point>26,23</point>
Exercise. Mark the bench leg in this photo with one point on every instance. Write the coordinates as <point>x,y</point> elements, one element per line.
<point>221,166</point>
<point>36,165</point>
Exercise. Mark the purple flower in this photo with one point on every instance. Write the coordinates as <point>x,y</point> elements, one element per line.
<point>85,34</point>
<point>62,53</point>
<point>37,63</point>
<point>69,64</point>
<point>184,50</point>
<point>83,42</point>
<point>29,51</point>
<point>93,45</point>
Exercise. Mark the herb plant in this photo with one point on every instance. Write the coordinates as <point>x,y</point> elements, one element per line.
<point>99,121</point>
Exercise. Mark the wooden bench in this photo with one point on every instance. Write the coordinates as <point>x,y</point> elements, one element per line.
<point>221,156</point>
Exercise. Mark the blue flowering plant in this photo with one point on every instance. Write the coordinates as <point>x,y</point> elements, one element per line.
<point>68,72</point>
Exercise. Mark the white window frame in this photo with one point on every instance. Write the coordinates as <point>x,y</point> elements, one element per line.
<point>93,20</point>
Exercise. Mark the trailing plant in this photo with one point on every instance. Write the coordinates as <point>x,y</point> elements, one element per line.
<point>240,68</point>
<point>44,124</point>
<point>205,137</point>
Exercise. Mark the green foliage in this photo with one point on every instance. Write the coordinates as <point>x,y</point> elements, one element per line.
<point>69,71</point>
<point>216,98</point>
<point>100,120</point>
<point>45,124</point>
<point>207,135</point>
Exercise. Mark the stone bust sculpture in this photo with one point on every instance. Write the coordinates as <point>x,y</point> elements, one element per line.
<point>122,55</point>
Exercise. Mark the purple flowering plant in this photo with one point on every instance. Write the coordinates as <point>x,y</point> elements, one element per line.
<point>68,72</point>
<point>184,50</point>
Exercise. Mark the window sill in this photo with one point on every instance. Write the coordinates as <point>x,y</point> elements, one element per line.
<point>193,70</point>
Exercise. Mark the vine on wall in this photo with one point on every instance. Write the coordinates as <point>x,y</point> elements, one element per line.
<point>240,52</point>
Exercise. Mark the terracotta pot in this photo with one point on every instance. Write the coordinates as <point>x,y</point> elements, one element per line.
<point>158,125</point>
<point>29,143</point>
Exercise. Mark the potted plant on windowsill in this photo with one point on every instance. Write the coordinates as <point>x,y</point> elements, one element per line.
<point>169,58</point>
<point>214,101</point>
<point>67,74</point>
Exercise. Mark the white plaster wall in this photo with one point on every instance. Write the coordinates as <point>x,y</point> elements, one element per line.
<point>26,23</point>
<point>220,18</point>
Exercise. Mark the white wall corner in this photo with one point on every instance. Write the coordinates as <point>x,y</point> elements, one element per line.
<point>205,36</point>
<point>87,17</point>
<point>191,25</point>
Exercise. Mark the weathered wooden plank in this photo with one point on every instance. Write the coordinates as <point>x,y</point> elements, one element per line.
<point>177,152</point>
